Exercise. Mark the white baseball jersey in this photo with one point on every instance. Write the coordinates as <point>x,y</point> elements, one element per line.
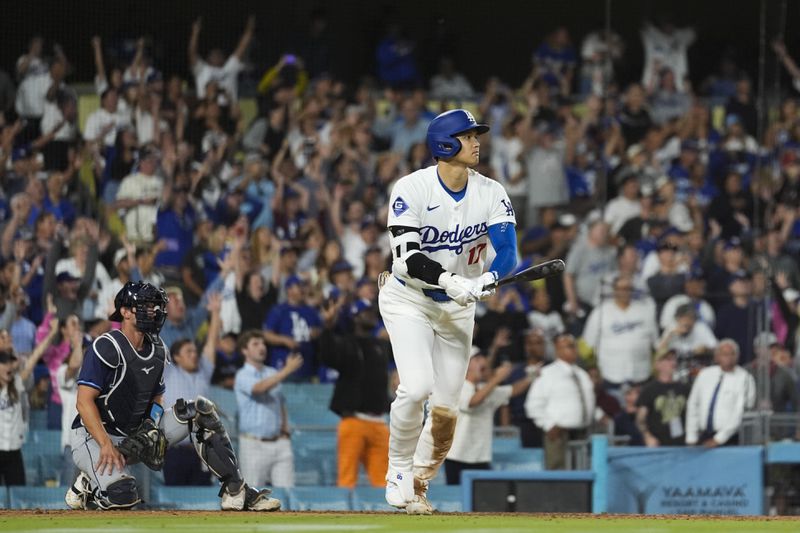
<point>622,340</point>
<point>453,233</point>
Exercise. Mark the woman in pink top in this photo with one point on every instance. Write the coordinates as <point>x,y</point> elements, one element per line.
<point>54,355</point>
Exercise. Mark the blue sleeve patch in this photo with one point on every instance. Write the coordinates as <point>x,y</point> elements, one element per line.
<point>399,206</point>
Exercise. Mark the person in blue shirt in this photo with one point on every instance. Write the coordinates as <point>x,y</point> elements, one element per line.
<point>264,440</point>
<point>175,227</point>
<point>556,59</point>
<point>291,327</point>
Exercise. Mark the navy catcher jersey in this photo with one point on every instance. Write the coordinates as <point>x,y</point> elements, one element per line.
<point>127,380</point>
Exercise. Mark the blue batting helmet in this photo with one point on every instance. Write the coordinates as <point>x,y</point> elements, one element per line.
<point>443,129</point>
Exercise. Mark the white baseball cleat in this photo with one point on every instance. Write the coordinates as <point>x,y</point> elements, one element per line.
<point>399,488</point>
<point>79,493</point>
<point>420,504</point>
<point>249,499</point>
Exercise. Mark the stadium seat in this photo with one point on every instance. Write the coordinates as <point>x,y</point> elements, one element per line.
<point>36,498</point>
<point>38,419</point>
<point>186,498</point>
<point>506,445</point>
<point>446,498</point>
<point>307,405</point>
<point>305,416</point>
<point>525,459</point>
<point>308,470</point>
<point>319,499</point>
<point>370,499</point>
<point>41,454</point>
<point>225,399</point>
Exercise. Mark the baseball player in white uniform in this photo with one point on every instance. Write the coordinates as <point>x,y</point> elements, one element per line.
<point>442,220</point>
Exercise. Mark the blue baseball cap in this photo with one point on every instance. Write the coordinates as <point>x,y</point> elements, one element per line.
<point>22,151</point>
<point>341,266</point>
<point>696,273</point>
<point>733,242</point>
<point>293,280</point>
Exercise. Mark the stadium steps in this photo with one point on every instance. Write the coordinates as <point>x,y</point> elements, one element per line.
<point>446,498</point>
<point>319,499</point>
<point>36,497</point>
<point>38,419</point>
<point>41,454</point>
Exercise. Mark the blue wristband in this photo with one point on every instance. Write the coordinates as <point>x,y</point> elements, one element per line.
<point>156,411</point>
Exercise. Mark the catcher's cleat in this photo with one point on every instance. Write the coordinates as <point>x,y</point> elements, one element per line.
<point>249,499</point>
<point>79,494</point>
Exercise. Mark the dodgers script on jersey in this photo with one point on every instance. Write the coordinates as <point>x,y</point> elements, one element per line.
<point>453,233</point>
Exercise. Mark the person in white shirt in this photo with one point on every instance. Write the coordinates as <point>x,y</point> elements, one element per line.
<point>216,68</point>
<point>561,402</point>
<point>626,205</point>
<point>101,126</point>
<point>622,333</point>
<point>139,195</point>
<point>37,81</point>
<point>694,290</point>
<point>692,340</point>
<point>448,84</point>
<point>13,425</point>
<point>720,395</point>
<point>541,317</point>
<point>481,395</point>
<point>60,117</point>
<point>666,46</point>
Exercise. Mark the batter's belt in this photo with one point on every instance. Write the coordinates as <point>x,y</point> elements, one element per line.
<point>437,295</point>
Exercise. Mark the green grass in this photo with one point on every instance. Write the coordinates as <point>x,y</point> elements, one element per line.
<point>197,522</point>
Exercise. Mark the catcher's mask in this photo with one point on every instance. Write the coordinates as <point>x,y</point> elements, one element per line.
<point>147,301</point>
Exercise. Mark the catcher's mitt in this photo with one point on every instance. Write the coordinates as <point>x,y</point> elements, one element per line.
<point>147,445</point>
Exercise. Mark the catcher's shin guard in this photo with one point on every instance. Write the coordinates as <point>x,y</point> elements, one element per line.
<point>211,441</point>
<point>121,494</point>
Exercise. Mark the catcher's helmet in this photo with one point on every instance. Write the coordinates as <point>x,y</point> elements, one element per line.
<point>147,301</point>
<point>443,129</point>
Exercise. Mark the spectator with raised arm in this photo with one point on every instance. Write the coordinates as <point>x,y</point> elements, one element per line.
<point>215,67</point>
<point>482,394</point>
<point>188,378</point>
<point>265,447</point>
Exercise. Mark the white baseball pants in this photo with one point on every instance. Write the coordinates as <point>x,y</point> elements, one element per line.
<point>431,343</point>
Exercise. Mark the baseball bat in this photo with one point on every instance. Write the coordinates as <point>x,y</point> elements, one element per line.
<point>540,271</point>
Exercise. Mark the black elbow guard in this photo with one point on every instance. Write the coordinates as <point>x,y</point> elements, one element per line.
<point>422,267</point>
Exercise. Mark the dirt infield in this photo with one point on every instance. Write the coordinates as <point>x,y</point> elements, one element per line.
<point>541,516</point>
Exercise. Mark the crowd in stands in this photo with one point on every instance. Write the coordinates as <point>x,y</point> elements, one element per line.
<point>676,208</point>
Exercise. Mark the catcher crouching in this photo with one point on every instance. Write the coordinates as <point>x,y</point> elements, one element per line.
<point>121,420</point>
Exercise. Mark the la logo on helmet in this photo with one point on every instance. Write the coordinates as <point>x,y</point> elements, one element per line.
<point>469,117</point>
